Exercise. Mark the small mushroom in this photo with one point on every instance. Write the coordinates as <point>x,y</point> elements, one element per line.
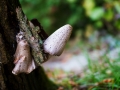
<point>23,59</point>
<point>55,43</point>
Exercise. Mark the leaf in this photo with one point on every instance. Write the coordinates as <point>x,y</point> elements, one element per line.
<point>97,13</point>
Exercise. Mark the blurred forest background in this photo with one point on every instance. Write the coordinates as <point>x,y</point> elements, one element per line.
<point>93,53</point>
<point>84,15</point>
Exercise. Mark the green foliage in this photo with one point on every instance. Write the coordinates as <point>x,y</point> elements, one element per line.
<point>97,13</point>
<point>52,14</point>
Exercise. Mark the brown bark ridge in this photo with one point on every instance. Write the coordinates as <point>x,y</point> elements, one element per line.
<point>37,80</point>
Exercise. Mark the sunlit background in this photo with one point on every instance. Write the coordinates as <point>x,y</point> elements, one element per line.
<point>91,59</point>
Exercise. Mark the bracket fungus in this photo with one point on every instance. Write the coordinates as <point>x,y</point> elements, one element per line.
<point>23,59</point>
<point>31,50</point>
<point>55,43</point>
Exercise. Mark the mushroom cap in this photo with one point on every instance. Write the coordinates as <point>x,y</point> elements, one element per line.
<point>55,43</point>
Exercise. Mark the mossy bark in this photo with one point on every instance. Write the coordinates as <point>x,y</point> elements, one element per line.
<point>37,80</point>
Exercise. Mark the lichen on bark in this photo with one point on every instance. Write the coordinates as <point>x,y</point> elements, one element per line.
<point>32,36</point>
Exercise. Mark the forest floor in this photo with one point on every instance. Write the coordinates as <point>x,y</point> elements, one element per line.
<point>91,64</point>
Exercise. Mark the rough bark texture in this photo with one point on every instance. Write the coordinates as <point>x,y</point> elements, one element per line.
<point>9,27</point>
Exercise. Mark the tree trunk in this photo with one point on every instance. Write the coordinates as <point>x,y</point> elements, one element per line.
<point>37,80</point>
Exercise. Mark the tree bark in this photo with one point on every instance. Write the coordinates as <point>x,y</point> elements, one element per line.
<point>37,80</point>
